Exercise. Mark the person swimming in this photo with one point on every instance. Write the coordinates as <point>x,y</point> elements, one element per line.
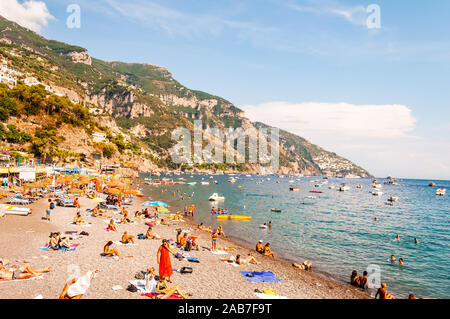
<point>393,258</point>
<point>397,237</point>
<point>400,261</point>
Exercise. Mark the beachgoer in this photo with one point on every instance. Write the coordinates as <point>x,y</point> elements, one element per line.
<point>108,252</point>
<point>163,259</point>
<point>67,294</point>
<point>167,291</point>
<point>267,251</point>
<point>259,247</point>
<point>127,238</point>
<point>248,259</point>
<point>400,261</point>
<point>382,292</point>
<point>363,280</point>
<point>305,266</point>
<point>111,226</point>
<point>214,237</point>
<point>354,279</point>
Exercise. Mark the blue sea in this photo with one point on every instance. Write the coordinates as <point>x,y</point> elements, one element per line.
<point>336,231</point>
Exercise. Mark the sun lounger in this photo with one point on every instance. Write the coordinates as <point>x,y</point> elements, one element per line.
<point>18,201</point>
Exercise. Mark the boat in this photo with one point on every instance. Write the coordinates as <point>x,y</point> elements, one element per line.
<point>440,191</point>
<point>215,197</point>
<point>275,210</point>
<point>376,185</point>
<point>316,192</point>
<point>377,193</point>
<point>263,226</point>
<point>331,187</point>
<point>344,188</point>
<point>359,186</point>
<point>431,184</point>
<point>204,183</point>
<point>239,217</point>
<point>392,199</point>
<point>192,183</point>
<point>294,189</point>
<point>391,181</point>
<point>232,180</point>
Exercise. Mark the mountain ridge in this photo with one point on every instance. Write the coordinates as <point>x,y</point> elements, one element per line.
<point>147,103</point>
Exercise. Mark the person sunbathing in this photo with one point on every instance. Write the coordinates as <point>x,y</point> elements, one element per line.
<point>305,266</point>
<point>23,272</point>
<point>151,235</point>
<point>65,242</point>
<point>124,219</point>
<point>354,279</point>
<point>111,226</point>
<point>205,228</point>
<point>248,259</point>
<point>382,292</point>
<point>78,220</point>
<point>259,247</point>
<point>67,294</point>
<point>108,252</point>
<point>127,238</point>
<point>267,251</point>
<point>167,291</point>
<point>54,242</point>
<point>194,243</point>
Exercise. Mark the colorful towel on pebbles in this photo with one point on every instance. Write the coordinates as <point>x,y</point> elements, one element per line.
<point>218,252</point>
<point>120,243</point>
<point>62,248</point>
<point>260,276</point>
<point>267,296</point>
<point>111,257</point>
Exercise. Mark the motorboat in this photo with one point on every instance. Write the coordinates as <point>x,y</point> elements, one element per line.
<point>376,185</point>
<point>276,210</point>
<point>431,184</point>
<point>359,186</point>
<point>440,191</point>
<point>232,180</point>
<point>344,188</point>
<point>392,199</point>
<point>204,183</point>
<point>377,193</point>
<point>294,189</point>
<point>215,197</point>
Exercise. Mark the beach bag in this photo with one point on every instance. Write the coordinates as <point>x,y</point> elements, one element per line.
<point>140,236</point>
<point>132,288</point>
<point>178,255</point>
<point>84,233</point>
<point>52,205</point>
<point>139,275</point>
<point>186,270</point>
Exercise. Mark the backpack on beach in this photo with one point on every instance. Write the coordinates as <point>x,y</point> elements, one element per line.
<point>186,270</point>
<point>52,205</point>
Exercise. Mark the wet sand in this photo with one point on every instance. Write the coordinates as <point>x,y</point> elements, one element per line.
<point>21,237</point>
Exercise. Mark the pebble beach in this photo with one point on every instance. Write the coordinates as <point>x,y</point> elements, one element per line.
<point>22,237</point>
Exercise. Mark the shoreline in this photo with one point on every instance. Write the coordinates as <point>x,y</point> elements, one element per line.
<point>23,236</point>
<point>235,241</point>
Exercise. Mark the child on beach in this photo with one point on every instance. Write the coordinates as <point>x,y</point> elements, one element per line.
<point>48,209</point>
<point>214,237</point>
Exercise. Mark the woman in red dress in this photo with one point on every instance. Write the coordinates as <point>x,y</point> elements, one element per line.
<point>163,258</point>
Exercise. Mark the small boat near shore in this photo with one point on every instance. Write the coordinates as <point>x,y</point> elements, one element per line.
<point>215,197</point>
<point>376,192</point>
<point>276,210</point>
<point>393,199</point>
<point>431,184</point>
<point>440,191</point>
<point>319,192</point>
<point>344,188</point>
<point>294,189</point>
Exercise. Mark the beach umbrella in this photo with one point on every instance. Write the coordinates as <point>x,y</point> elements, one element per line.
<point>158,203</point>
<point>162,209</point>
<point>113,191</point>
<point>131,192</point>
<point>147,204</point>
<point>74,191</point>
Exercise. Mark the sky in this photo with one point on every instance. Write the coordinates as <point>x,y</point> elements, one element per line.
<point>374,88</point>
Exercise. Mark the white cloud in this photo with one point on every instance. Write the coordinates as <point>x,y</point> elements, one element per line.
<point>377,137</point>
<point>29,14</point>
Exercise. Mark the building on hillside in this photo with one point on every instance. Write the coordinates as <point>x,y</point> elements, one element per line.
<point>98,137</point>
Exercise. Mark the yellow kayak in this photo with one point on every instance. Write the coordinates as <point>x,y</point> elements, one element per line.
<point>233,217</point>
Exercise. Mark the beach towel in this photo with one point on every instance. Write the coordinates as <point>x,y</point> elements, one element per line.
<point>80,286</point>
<point>83,225</point>
<point>232,263</point>
<point>61,248</point>
<point>110,257</point>
<point>143,286</point>
<point>153,295</point>
<point>266,296</point>
<point>122,244</point>
<point>260,276</point>
<point>193,259</point>
<point>218,252</point>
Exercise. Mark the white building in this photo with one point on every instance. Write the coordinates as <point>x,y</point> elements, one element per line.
<point>98,137</point>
